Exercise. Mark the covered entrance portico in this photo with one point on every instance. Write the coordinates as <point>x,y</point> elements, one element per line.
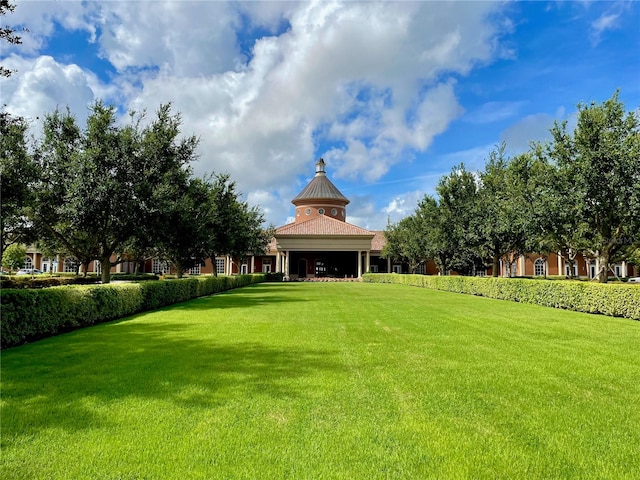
<point>318,264</point>
<point>322,247</point>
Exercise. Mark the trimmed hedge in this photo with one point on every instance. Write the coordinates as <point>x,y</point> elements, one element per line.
<point>617,300</point>
<point>45,281</point>
<point>27,314</point>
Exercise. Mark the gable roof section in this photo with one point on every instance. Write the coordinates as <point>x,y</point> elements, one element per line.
<point>379,241</point>
<point>322,225</point>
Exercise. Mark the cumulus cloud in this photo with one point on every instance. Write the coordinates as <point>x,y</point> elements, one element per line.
<point>532,128</point>
<point>402,206</point>
<point>42,84</point>
<point>373,80</point>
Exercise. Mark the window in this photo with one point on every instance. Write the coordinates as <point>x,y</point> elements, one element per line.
<point>28,263</point>
<point>266,268</point>
<point>220,266</point>
<point>308,211</point>
<point>373,268</point>
<point>69,265</point>
<point>244,269</point>
<point>334,212</point>
<point>421,270</point>
<point>567,270</point>
<point>297,213</point>
<point>159,266</point>
<point>343,213</point>
<point>618,270</point>
<point>321,211</point>
<point>397,269</point>
<point>194,270</point>
<point>539,267</point>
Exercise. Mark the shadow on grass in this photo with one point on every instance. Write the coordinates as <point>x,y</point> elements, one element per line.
<point>70,382</point>
<point>250,296</point>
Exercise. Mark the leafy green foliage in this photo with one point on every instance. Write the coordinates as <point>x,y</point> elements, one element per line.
<point>28,315</point>
<point>13,256</point>
<point>103,190</point>
<point>17,178</point>
<point>600,161</point>
<point>619,300</point>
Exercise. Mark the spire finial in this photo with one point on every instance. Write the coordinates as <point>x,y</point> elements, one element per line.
<point>320,167</point>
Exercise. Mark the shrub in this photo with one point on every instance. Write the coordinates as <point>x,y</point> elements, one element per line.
<point>619,300</point>
<point>44,281</point>
<point>31,314</point>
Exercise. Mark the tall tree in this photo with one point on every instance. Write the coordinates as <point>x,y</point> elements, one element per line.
<point>182,233</point>
<point>601,158</point>
<point>233,228</point>
<point>505,217</point>
<point>17,177</point>
<point>406,242</point>
<point>104,185</point>
<point>458,237</point>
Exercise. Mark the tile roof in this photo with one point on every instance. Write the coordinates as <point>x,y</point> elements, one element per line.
<point>322,225</point>
<point>378,241</point>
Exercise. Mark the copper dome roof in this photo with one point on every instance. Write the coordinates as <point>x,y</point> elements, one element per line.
<point>320,188</point>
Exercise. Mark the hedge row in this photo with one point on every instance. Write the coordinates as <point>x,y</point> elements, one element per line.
<point>618,300</point>
<point>27,315</point>
<point>43,281</point>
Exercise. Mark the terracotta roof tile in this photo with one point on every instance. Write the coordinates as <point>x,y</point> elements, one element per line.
<point>379,241</point>
<point>322,225</point>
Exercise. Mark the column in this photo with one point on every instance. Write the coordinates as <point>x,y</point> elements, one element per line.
<point>624,269</point>
<point>389,265</point>
<point>253,264</point>
<point>560,269</point>
<point>367,263</point>
<point>522,266</point>
<point>278,262</point>
<point>359,263</point>
<point>286,263</point>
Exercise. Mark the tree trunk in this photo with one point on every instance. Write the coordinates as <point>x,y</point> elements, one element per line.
<point>105,264</point>
<point>178,267</point>
<point>603,274</point>
<point>495,265</point>
<point>85,268</point>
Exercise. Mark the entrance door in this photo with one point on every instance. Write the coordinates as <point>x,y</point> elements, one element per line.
<point>321,267</point>
<point>302,268</point>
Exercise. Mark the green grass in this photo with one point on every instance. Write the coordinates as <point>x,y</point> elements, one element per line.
<point>328,380</point>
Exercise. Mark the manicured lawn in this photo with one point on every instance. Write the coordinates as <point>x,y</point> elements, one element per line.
<point>328,380</point>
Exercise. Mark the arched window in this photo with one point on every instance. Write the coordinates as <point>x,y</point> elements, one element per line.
<point>539,267</point>
<point>28,263</point>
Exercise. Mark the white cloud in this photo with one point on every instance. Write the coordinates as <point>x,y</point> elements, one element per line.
<point>402,206</point>
<point>493,112</point>
<point>610,19</point>
<point>42,84</point>
<point>374,79</point>
<point>532,128</point>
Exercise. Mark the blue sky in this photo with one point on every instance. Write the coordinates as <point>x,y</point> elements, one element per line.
<point>391,94</point>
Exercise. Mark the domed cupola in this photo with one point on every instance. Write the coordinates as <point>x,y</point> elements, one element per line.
<point>320,197</point>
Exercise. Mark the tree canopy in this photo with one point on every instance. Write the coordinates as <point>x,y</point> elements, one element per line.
<point>115,192</point>
<point>579,193</point>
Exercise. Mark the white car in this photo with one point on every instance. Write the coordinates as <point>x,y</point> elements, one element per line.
<point>28,271</point>
<point>634,280</point>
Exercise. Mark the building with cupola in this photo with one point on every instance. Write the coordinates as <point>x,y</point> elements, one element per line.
<point>320,242</point>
